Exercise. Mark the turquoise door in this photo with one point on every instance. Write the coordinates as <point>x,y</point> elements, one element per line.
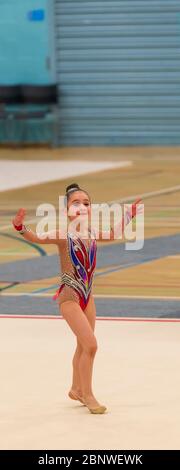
<point>26,42</point>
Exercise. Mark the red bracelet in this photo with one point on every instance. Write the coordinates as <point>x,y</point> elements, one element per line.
<point>18,227</point>
<point>134,210</point>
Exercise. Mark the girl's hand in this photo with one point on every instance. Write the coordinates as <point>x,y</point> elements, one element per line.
<point>136,209</point>
<point>19,217</point>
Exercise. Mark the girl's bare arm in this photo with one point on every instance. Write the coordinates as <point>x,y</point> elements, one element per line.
<point>51,237</point>
<point>118,230</point>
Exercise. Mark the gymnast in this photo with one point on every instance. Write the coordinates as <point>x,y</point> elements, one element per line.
<point>77,252</point>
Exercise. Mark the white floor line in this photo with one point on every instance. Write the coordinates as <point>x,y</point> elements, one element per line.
<point>113,318</point>
<point>122,200</point>
<point>143,297</point>
<point>28,294</point>
<point>17,253</point>
<point>10,226</point>
<point>159,192</point>
<point>97,296</point>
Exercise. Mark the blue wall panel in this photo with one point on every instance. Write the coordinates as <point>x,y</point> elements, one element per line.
<point>118,68</point>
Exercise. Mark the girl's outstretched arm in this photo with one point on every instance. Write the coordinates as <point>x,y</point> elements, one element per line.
<point>119,229</point>
<point>52,237</point>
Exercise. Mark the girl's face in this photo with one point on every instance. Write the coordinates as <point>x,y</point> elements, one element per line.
<point>79,205</point>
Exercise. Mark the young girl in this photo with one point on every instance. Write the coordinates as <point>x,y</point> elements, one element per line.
<point>77,252</point>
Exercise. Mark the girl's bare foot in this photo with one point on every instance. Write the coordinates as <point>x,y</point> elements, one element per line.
<point>93,405</point>
<point>75,395</point>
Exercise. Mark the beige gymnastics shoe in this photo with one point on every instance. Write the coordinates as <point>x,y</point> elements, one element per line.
<point>98,410</point>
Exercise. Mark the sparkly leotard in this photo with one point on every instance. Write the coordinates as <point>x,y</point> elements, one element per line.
<point>78,261</point>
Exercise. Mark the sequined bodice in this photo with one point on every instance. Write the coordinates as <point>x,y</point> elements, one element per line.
<point>78,261</point>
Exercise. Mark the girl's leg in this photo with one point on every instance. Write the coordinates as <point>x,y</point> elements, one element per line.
<point>90,313</point>
<point>80,326</point>
<point>76,389</point>
<point>75,392</point>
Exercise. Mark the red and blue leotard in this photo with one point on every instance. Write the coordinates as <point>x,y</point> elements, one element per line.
<point>78,262</point>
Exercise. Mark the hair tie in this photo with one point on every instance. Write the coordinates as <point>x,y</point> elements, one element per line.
<point>72,189</point>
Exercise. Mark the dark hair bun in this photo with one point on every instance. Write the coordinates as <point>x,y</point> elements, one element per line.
<point>72,187</point>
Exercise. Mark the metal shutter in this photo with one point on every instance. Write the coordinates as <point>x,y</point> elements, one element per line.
<point>118,70</point>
